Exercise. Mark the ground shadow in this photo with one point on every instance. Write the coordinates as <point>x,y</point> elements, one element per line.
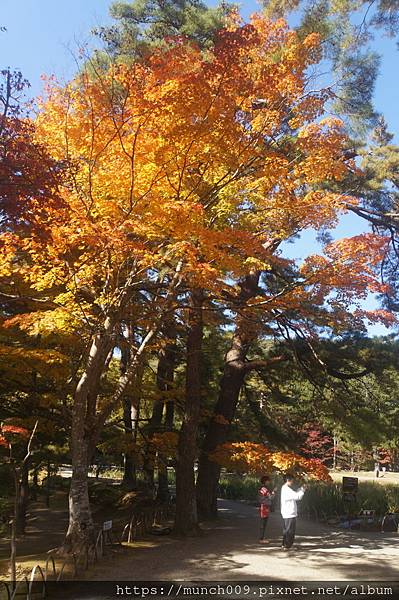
<point>229,550</point>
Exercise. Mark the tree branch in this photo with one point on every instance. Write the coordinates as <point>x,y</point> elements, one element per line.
<point>28,449</point>
<point>252,365</point>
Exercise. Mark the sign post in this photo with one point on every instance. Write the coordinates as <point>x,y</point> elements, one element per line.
<point>107,531</point>
<point>350,487</point>
<point>107,525</point>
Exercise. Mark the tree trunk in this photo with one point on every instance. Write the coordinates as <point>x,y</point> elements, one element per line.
<point>163,485</point>
<point>81,527</point>
<point>23,498</point>
<point>186,521</point>
<point>232,380</point>
<point>13,536</point>
<point>153,426</point>
<point>13,554</point>
<point>129,468</point>
<point>164,381</point>
<point>334,465</point>
<point>230,386</point>
<point>87,422</point>
<point>130,405</point>
<point>35,483</point>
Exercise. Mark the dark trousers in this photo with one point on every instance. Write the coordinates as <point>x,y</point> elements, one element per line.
<point>263,523</point>
<point>289,532</point>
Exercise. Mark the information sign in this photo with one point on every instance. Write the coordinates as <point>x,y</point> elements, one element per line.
<point>107,525</point>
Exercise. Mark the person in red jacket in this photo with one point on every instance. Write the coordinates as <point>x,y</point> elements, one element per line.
<point>266,496</point>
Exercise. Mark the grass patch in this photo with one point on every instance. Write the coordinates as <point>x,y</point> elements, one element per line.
<point>326,499</point>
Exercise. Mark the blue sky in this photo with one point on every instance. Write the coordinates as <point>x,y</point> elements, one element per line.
<point>43,36</point>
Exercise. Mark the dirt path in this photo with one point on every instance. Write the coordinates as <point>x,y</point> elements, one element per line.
<point>229,550</point>
<point>45,530</point>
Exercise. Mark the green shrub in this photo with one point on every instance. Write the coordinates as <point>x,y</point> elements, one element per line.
<point>322,500</point>
<point>372,496</point>
<point>56,482</point>
<point>102,494</point>
<point>392,496</point>
<point>242,487</point>
<point>137,500</point>
<point>326,499</point>
<point>235,487</point>
<point>111,473</point>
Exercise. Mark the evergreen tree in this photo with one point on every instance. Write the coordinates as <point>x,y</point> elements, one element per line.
<point>142,24</point>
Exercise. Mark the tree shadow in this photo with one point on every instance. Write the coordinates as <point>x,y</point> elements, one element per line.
<point>45,529</point>
<point>229,550</point>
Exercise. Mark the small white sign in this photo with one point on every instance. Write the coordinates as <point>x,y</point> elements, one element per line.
<point>107,525</point>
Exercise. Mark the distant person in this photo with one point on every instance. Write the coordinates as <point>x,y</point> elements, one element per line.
<point>377,469</point>
<point>289,509</point>
<point>266,496</point>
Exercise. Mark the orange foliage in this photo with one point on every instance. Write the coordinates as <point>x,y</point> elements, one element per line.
<point>11,433</point>
<point>248,457</point>
<point>14,430</point>
<point>165,443</point>
<point>186,157</point>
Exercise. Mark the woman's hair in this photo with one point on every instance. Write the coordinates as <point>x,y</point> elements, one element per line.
<point>289,477</point>
<point>265,479</point>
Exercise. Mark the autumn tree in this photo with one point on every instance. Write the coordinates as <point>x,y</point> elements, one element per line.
<point>247,457</point>
<point>291,311</point>
<point>33,366</point>
<point>355,67</point>
<point>27,175</point>
<point>182,176</point>
<point>317,443</point>
<point>349,31</point>
<point>346,49</point>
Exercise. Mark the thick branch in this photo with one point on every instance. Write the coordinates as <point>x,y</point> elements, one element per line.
<point>347,376</point>
<point>16,299</point>
<point>252,365</point>
<point>378,219</point>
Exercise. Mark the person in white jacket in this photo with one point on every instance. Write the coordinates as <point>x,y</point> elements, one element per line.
<point>289,510</point>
